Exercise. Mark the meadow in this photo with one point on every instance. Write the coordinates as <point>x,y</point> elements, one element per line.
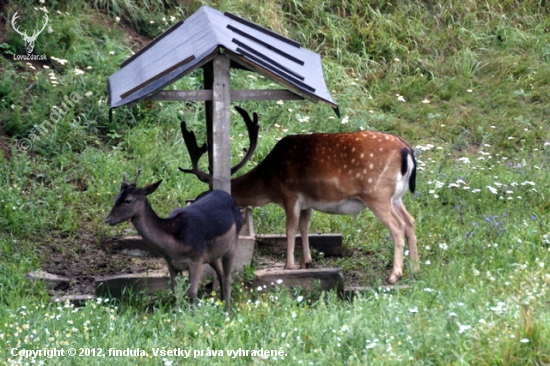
<point>466,83</point>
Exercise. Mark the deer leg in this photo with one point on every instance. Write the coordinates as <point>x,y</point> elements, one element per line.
<point>173,274</point>
<point>217,266</point>
<point>389,217</point>
<point>409,233</point>
<point>226,283</point>
<point>305,219</point>
<point>291,223</point>
<point>194,280</point>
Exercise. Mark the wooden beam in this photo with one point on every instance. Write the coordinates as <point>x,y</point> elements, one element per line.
<point>329,244</point>
<point>266,94</point>
<point>192,95</point>
<point>221,148</point>
<point>53,282</point>
<point>204,95</point>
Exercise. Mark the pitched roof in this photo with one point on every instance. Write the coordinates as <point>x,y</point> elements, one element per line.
<point>189,45</point>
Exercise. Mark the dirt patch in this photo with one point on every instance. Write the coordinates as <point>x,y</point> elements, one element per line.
<point>5,146</point>
<point>84,257</point>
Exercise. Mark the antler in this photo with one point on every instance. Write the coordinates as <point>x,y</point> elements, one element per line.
<point>35,34</point>
<point>16,28</point>
<point>125,176</point>
<point>253,129</point>
<point>136,178</point>
<point>195,152</point>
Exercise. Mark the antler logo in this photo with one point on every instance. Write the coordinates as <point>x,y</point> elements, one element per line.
<point>29,40</point>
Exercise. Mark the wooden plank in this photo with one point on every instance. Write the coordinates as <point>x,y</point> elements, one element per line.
<point>221,99</point>
<point>116,286</point>
<point>152,43</point>
<point>53,282</point>
<point>245,252</point>
<point>329,244</point>
<point>270,75</point>
<point>193,95</point>
<point>157,76</point>
<point>206,95</point>
<point>266,94</point>
<point>324,279</point>
<point>248,227</point>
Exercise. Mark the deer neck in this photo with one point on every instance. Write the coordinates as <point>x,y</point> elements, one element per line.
<point>150,226</point>
<point>251,189</point>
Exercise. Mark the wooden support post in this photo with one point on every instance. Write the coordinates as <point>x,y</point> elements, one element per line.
<point>221,103</point>
<point>208,71</point>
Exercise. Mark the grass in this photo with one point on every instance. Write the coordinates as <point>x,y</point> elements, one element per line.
<point>466,83</point>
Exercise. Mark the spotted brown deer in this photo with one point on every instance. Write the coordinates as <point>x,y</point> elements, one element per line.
<point>204,232</point>
<point>340,173</point>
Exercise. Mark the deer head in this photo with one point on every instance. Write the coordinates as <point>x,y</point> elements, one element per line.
<point>29,40</point>
<point>130,201</point>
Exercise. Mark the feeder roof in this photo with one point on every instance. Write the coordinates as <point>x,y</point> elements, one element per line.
<point>189,45</point>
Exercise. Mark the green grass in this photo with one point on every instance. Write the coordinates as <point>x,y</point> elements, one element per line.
<point>467,83</point>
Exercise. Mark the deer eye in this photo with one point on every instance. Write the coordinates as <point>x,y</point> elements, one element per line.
<point>128,201</point>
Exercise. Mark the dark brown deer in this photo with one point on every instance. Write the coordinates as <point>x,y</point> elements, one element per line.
<point>341,173</point>
<point>204,232</point>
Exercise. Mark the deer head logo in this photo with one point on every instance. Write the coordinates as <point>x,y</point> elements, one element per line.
<point>29,40</point>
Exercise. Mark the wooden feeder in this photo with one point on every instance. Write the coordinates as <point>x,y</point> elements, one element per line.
<point>217,42</point>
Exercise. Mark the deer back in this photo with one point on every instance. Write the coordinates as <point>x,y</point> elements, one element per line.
<point>328,167</point>
<point>211,215</point>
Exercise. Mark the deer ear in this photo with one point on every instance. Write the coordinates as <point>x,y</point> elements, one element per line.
<point>151,187</point>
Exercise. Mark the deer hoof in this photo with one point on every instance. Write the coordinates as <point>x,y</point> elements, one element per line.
<point>392,279</point>
<point>306,266</point>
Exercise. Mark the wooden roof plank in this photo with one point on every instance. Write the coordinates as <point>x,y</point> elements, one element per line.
<point>261,29</point>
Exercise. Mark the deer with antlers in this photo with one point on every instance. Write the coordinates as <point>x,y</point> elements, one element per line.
<point>340,173</point>
<point>29,40</point>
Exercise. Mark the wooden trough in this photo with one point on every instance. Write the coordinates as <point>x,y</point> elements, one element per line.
<point>154,281</point>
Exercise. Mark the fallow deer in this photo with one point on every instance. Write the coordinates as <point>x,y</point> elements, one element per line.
<point>204,232</point>
<point>340,173</point>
